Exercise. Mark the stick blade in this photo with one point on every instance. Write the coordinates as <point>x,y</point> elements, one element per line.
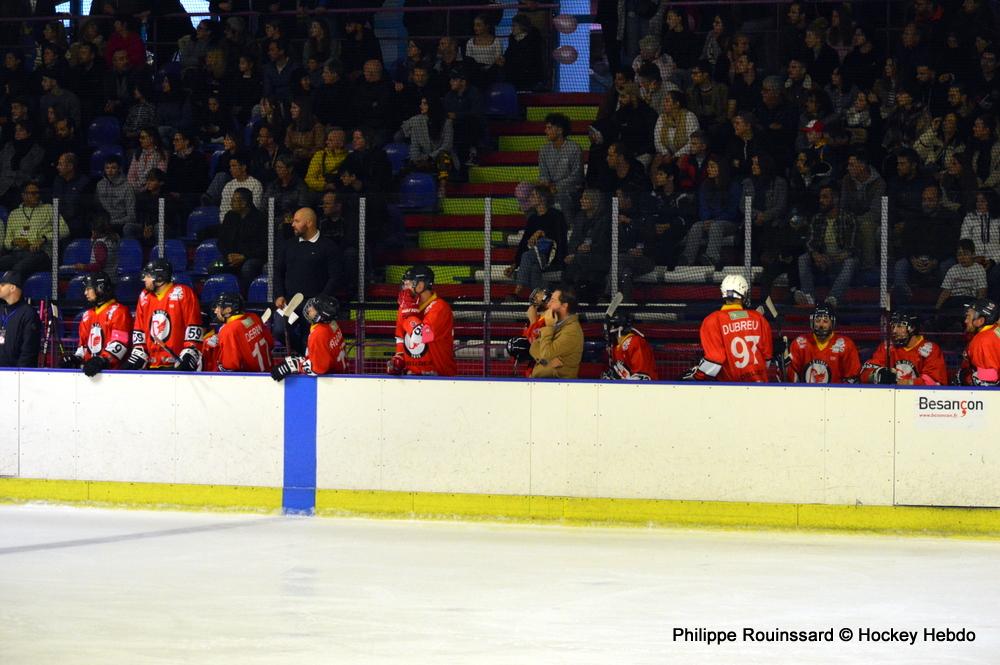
<point>616,301</point>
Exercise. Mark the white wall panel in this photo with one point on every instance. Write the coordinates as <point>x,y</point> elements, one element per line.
<point>349,415</point>
<point>564,438</point>
<point>9,423</point>
<point>859,446</point>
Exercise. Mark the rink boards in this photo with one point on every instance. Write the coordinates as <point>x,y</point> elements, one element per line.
<point>802,456</point>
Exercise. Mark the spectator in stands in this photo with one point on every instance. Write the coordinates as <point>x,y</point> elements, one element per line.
<point>716,42</point>
<point>192,52</point>
<point>87,81</point>
<point>20,161</point>
<point>484,52</point>
<point>830,249</point>
<point>71,187</point>
<point>149,155</point>
<point>588,254</point>
<point>369,162</point>
<point>419,86</point>
<point>623,172</point>
<point>22,329</point>
<point>908,120</point>
<point>311,264</point>
<point>187,173</point>
<point>861,193</point>
<point>709,101</point>
<point>769,202</point>
<point>691,167</point>
<point>965,280</point>
<point>287,189</point>
<point>449,58</point>
<point>982,226</point>
<point>359,47</point>
<point>560,164</point>
<point>542,246</point>
<point>798,83</point>
<point>651,87</point>
<point>559,346</point>
<point>304,135</point>
<point>861,65</point>
<point>678,41</point>
<point>820,58</point>
<point>103,248</point>
<point>634,259</point>
<point>373,102</point>
<point>319,45</point>
<point>986,152</point>
<point>243,238</point>
<point>147,209</point>
<point>117,198</point>
<point>743,146</point>
<point>928,246</point>
<point>353,188</point>
<point>745,87</point>
<point>650,53</point>
<point>127,40</point>
<point>66,103</point>
<point>524,59</point>
<point>60,138</point>
<point>329,95</point>
<point>670,212</point>
<point>280,72</point>
<point>840,92</point>
<point>26,243</point>
<point>141,113</point>
<point>632,124</point>
<point>929,92</point>
<point>431,136</point>
<point>324,164</point>
<point>718,216</point>
<point>264,156</point>
<point>89,34</point>
<point>244,88</point>
<point>958,184</point>
<point>464,105</point>
<point>942,138</point>
<point>674,128</point>
<point>238,169</point>
<point>778,120</point>
<point>212,120</point>
<point>334,224</point>
<point>173,108</point>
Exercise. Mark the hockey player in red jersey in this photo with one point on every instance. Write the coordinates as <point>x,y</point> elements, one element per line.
<point>981,362</point>
<point>630,357</point>
<point>825,356</point>
<point>736,342</point>
<point>244,342</point>
<point>913,359</point>
<point>167,331</point>
<point>105,328</point>
<point>518,348</point>
<point>424,328</point>
<point>325,352</point>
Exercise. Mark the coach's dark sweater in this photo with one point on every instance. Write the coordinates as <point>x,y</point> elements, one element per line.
<point>21,335</point>
<point>309,268</point>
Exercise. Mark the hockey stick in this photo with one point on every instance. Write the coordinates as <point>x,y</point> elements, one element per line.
<point>616,301</point>
<point>57,336</point>
<point>43,315</point>
<point>288,311</point>
<point>163,345</point>
<point>266,316</point>
<point>768,310</point>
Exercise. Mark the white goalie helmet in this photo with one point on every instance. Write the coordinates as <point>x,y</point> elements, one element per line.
<point>735,287</point>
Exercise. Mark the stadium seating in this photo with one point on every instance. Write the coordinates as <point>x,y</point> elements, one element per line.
<point>173,251</point>
<point>78,251</point>
<point>200,218</point>
<point>257,293</point>
<point>100,155</point>
<point>397,153</point>
<point>74,290</point>
<point>213,163</point>
<point>128,288</point>
<point>501,101</point>
<point>205,255</point>
<point>38,286</point>
<point>129,257</point>
<point>418,191</point>
<point>216,285</point>
<point>104,130</point>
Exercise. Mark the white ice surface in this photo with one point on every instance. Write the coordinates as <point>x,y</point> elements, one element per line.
<point>95,586</point>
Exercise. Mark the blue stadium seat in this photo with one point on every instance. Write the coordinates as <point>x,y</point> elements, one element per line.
<point>128,288</point>
<point>418,190</point>
<point>4,213</point>
<point>104,130</point>
<point>501,101</point>
<point>78,251</point>
<point>183,278</point>
<point>206,254</point>
<point>129,257</point>
<point>38,286</point>
<point>397,153</point>
<point>200,218</point>
<point>74,291</point>
<point>257,293</point>
<point>213,163</point>
<point>218,284</point>
<point>175,252</point>
<point>100,155</point>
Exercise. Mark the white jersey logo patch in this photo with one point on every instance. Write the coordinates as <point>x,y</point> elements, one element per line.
<point>414,342</point>
<point>159,325</point>
<point>817,371</point>
<point>906,370</point>
<point>95,339</point>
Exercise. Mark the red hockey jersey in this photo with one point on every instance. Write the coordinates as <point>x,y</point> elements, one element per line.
<point>531,333</point>
<point>325,352</point>
<point>981,362</point>
<point>920,363</point>
<point>635,352</point>
<point>427,338</point>
<point>169,317</point>
<point>833,361</point>
<point>737,345</point>
<point>105,331</point>
<point>210,351</point>
<point>244,345</point>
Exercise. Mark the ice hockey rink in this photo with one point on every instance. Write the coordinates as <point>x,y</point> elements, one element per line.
<point>85,585</point>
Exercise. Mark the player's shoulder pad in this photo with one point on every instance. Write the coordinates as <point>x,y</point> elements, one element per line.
<point>247,322</point>
<point>840,345</point>
<point>626,344</point>
<point>801,341</point>
<point>926,349</point>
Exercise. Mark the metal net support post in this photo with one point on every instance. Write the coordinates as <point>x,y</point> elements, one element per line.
<point>54,251</point>
<point>613,285</point>
<point>884,256</point>
<point>748,238</point>
<point>161,226</point>
<point>359,324</point>
<point>487,282</point>
<point>270,251</point>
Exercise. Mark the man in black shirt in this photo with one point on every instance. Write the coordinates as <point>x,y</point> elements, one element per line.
<point>19,325</point>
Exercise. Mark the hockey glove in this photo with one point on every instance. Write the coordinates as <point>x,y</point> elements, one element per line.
<point>690,375</point>
<point>884,376</point>
<point>190,360</point>
<point>282,370</point>
<point>396,365</point>
<point>137,359</point>
<point>95,366</point>
<point>408,303</point>
<point>69,361</point>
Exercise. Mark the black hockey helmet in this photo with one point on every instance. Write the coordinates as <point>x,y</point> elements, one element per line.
<point>229,300</point>
<point>518,348</point>
<point>159,269</point>
<point>325,309</point>
<point>104,288</point>
<point>904,318</point>
<point>820,311</point>
<point>618,324</point>
<point>420,273</point>
<point>985,308</point>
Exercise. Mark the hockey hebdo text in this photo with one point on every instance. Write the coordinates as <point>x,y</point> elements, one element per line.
<point>860,634</point>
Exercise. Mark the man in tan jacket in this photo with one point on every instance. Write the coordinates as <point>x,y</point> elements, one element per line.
<point>559,346</point>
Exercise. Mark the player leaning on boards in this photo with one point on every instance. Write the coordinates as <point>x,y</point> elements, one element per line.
<point>981,362</point>
<point>425,328</point>
<point>825,356</point>
<point>913,360</point>
<point>243,343</point>
<point>559,347</point>
<point>105,328</point>
<point>167,331</point>
<point>630,357</point>
<point>325,353</point>
<point>736,341</point>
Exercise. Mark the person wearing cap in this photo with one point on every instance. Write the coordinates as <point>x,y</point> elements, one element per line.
<point>66,103</point>
<point>29,227</point>
<point>19,324</point>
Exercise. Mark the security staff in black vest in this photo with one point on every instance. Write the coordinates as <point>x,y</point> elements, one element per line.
<point>19,324</point>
